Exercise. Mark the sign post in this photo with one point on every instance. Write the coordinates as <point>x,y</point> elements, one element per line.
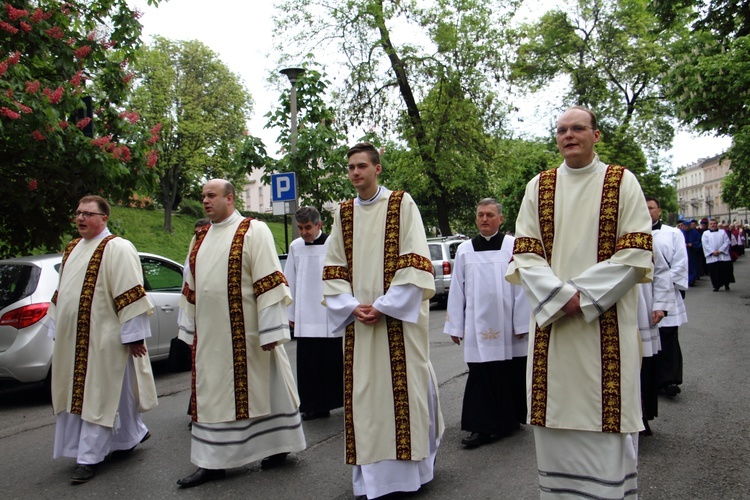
<point>284,197</point>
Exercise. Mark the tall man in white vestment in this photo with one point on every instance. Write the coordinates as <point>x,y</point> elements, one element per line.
<point>245,404</point>
<point>320,358</point>
<point>492,317</point>
<point>583,241</point>
<point>670,243</point>
<point>101,374</point>
<point>377,284</point>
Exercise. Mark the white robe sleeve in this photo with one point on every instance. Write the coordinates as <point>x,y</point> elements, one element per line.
<point>545,293</point>
<point>401,302</point>
<point>340,308</point>
<point>273,325</point>
<point>662,285</point>
<point>521,312</point>
<point>290,272</point>
<point>134,329</point>
<point>456,307</point>
<point>679,263</point>
<point>602,285</point>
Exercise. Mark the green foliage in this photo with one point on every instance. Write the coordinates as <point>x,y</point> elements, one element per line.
<point>192,208</point>
<point>203,108</point>
<point>611,55</point>
<point>439,100</point>
<point>320,157</point>
<point>710,79</point>
<point>54,55</point>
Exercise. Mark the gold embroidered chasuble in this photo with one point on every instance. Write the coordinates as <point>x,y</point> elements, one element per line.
<point>101,287</point>
<point>585,230</point>
<point>387,370</point>
<point>234,282</point>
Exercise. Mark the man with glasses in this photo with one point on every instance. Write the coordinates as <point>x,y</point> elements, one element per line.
<point>583,241</point>
<point>101,374</point>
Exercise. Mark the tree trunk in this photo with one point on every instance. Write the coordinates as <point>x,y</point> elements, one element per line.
<point>415,119</point>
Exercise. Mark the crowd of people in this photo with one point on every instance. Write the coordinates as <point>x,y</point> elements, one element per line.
<point>547,317</point>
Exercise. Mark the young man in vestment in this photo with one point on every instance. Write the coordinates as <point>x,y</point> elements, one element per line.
<point>655,300</point>
<point>670,243</point>
<point>101,374</point>
<point>492,317</point>
<point>716,245</point>
<point>377,284</point>
<point>583,241</point>
<point>320,359</point>
<point>244,399</point>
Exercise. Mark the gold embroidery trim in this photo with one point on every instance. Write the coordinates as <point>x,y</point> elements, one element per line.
<point>539,376</point>
<point>335,273</point>
<point>528,245</point>
<point>547,186</point>
<point>416,261</point>
<point>641,241</point>
<point>351,445</point>
<point>237,321</point>
<point>129,297</point>
<point>190,295</point>
<point>608,327</point>
<point>399,382</point>
<point>269,282</point>
<point>346,212</point>
<point>83,331</point>
<point>68,248</point>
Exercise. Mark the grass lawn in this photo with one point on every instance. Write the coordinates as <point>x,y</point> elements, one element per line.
<point>144,228</point>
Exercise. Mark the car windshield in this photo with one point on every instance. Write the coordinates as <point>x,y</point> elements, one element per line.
<point>17,281</point>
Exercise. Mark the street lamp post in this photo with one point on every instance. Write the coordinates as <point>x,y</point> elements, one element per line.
<point>293,74</point>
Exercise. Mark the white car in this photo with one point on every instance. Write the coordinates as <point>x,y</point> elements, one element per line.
<point>26,288</point>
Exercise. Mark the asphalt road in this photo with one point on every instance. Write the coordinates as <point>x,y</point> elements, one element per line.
<point>700,448</point>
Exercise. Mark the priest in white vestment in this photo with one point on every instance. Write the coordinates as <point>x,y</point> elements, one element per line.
<point>244,405</point>
<point>655,300</point>
<point>670,243</point>
<point>718,260</point>
<point>101,374</point>
<point>320,359</point>
<point>583,241</point>
<point>491,316</point>
<point>377,284</point>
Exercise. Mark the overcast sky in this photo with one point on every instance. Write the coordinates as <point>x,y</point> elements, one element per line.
<point>241,33</point>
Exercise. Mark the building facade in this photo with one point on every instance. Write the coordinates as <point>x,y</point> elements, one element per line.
<point>699,188</point>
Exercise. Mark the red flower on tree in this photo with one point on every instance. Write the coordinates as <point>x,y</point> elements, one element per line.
<point>32,185</point>
<point>54,97</point>
<point>9,113</point>
<point>81,124</point>
<point>15,14</point>
<point>32,87</point>
<point>82,52</point>
<point>55,32</point>
<point>38,136</point>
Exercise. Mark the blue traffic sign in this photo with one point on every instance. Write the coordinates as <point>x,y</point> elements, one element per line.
<point>283,187</point>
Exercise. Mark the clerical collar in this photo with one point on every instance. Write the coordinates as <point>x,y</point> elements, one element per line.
<point>319,239</point>
<point>656,225</point>
<point>228,220</point>
<point>488,238</point>
<point>583,170</point>
<point>377,194</point>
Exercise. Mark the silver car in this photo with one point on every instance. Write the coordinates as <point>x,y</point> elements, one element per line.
<point>443,253</point>
<point>26,287</point>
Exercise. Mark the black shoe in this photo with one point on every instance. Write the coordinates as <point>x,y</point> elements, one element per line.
<point>716,289</point>
<point>312,415</point>
<point>672,390</point>
<point>647,430</point>
<point>476,439</point>
<point>190,424</point>
<point>124,453</point>
<point>201,476</point>
<point>726,287</point>
<point>273,461</point>
<point>83,473</point>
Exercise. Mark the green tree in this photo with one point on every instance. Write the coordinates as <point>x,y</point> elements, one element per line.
<point>56,58</point>
<point>708,82</point>
<point>203,108</point>
<point>320,159</point>
<point>611,56</point>
<point>421,93</point>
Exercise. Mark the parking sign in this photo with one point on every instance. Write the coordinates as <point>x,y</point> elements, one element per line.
<point>283,187</point>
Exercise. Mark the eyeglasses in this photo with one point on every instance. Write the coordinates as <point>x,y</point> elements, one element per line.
<point>87,215</point>
<point>576,129</point>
